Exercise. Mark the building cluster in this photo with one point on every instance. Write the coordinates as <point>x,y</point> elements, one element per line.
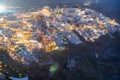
<point>51,29</point>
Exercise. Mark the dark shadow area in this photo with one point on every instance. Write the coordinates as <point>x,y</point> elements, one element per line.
<point>99,60</point>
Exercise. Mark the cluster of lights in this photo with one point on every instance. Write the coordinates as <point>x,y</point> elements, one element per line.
<point>10,68</point>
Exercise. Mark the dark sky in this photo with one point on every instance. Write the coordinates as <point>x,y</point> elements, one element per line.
<point>33,2</point>
<point>109,7</point>
<point>21,3</point>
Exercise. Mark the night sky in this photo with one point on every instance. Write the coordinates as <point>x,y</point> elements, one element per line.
<point>108,7</point>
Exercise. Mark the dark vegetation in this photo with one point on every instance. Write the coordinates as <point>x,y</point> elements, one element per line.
<point>104,66</point>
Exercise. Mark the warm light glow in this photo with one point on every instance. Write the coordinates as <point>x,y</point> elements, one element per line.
<point>2,8</point>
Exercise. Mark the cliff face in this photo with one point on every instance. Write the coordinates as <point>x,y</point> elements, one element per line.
<point>95,61</point>
<point>99,60</point>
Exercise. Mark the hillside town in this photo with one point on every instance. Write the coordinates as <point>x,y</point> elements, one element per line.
<point>51,29</point>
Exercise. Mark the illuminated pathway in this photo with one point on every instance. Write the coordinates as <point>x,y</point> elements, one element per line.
<point>11,73</point>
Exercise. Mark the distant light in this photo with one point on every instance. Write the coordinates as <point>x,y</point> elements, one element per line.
<point>87,3</point>
<point>2,8</point>
<point>97,1</point>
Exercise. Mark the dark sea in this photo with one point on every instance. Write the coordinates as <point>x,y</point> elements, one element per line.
<point>110,8</point>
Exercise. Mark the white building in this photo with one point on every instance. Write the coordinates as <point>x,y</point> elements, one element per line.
<point>70,11</point>
<point>25,78</point>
